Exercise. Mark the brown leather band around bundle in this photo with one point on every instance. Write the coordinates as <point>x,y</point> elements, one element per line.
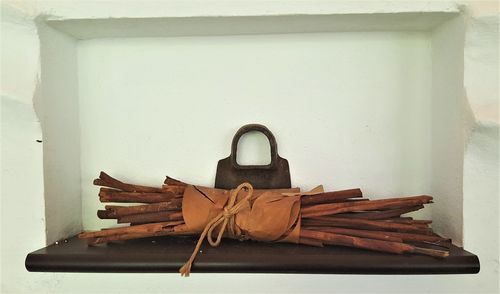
<point>241,213</point>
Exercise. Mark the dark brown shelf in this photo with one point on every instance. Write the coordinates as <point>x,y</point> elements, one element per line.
<point>167,255</point>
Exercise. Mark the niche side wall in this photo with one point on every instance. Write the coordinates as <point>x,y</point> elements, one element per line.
<point>448,104</point>
<point>57,108</point>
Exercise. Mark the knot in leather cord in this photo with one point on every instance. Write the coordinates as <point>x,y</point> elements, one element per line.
<point>227,212</point>
<point>223,219</point>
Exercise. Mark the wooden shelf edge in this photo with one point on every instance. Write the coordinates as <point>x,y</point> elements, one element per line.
<point>167,255</point>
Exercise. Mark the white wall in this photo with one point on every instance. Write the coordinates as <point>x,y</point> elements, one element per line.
<point>57,107</point>
<point>22,207</point>
<point>171,105</point>
<point>448,107</point>
<point>481,189</point>
<point>22,165</point>
<point>481,179</point>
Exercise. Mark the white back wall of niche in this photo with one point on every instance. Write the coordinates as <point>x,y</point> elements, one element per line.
<point>348,109</point>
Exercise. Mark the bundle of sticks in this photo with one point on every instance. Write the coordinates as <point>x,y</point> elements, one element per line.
<point>342,218</point>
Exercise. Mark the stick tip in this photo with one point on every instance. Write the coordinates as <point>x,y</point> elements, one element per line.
<point>428,197</point>
<point>432,252</point>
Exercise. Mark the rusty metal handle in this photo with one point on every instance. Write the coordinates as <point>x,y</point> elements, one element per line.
<point>275,175</point>
<point>254,128</point>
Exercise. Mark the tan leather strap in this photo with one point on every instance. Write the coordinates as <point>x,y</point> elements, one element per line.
<point>223,219</point>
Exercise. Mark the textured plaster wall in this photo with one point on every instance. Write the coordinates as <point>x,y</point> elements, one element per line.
<point>481,179</point>
<point>21,155</point>
<point>22,181</point>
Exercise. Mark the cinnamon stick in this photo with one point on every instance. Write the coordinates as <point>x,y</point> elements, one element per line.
<point>370,244</point>
<point>105,214</point>
<point>128,236</point>
<point>363,224</point>
<point>422,222</point>
<point>330,196</point>
<point>336,208</point>
<point>150,217</point>
<point>111,195</point>
<point>405,237</point>
<point>343,240</point>
<point>152,227</point>
<point>412,237</point>
<point>173,182</point>
<point>310,242</point>
<point>108,181</point>
<point>383,214</point>
<point>179,190</point>
<point>118,211</point>
<point>378,235</point>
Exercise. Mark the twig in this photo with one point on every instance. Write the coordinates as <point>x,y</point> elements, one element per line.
<point>110,195</point>
<point>151,217</point>
<point>336,208</point>
<point>328,197</point>
<point>108,181</point>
